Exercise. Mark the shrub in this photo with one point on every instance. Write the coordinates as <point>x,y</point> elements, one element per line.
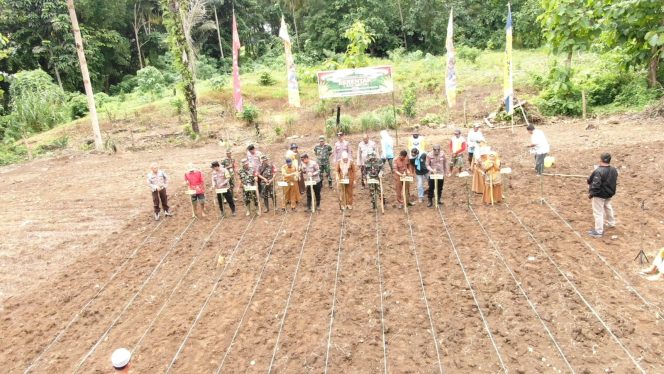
<point>101,99</point>
<point>249,114</point>
<point>150,79</point>
<point>78,106</point>
<point>10,154</point>
<point>396,54</point>
<point>345,125</point>
<point>387,118</point>
<point>635,92</point>
<point>468,53</point>
<point>266,79</point>
<point>189,132</point>
<point>431,119</point>
<point>177,104</point>
<point>206,68</point>
<point>409,101</point>
<point>368,121</point>
<point>219,82</point>
<point>561,96</point>
<point>278,131</point>
<point>127,85</point>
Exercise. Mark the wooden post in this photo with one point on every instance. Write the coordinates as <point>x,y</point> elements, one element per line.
<point>313,197</point>
<point>396,125</point>
<point>405,198</point>
<point>583,103</point>
<point>382,198</point>
<point>465,118</point>
<point>435,190</point>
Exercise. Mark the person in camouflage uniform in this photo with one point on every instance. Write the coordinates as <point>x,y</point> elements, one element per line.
<point>248,178</point>
<point>323,151</point>
<point>266,173</point>
<point>229,164</point>
<point>374,170</point>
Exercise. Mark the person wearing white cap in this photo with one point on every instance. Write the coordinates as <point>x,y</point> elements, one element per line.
<point>346,169</point>
<point>194,180</point>
<point>120,360</point>
<point>475,136</point>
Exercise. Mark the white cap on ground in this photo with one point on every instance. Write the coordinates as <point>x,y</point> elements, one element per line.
<point>120,358</point>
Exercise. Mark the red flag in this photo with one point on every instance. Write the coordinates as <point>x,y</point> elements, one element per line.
<point>237,93</point>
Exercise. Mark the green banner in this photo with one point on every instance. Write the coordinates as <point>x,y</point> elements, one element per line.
<point>355,82</point>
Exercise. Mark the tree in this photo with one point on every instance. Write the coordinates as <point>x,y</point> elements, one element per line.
<point>176,13</point>
<point>99,145</point>
<point>359,41</point>
<point>570,25</point>
<point>637,28</point>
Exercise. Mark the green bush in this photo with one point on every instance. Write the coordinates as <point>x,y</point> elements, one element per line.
<point>409,101</point>
<point>177,104</point>
<point>219,82</point>
<point>188,131</point>
<point>369,121</point>
<point>11,154</point>
<point>396,54</point>
<point>150,80</point>
<point>468,53</point>
<point>206,68</point>
<point>101,99</point>
<point>431,119</point>
<point>635,93</point>
<point>249,114</point>
<point>278,131</point>
<point>345,125</point>
<point>266,79</point>
<point>387,118</point>
<point>127,85</point>
<point>561,96</point>
<point>78,106</point>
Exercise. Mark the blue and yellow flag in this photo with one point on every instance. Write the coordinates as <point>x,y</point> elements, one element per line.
<point>508,87</point>
<point>450,76</point>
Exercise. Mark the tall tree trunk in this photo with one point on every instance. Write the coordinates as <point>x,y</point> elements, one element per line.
<point>55,69</point>
<point>216,22</point>
<point>184,59</point>
<point>297,34</point>
<point>403,28</point>
<point>137,28</point>
<point>99,145</point>
<point>653,66</point>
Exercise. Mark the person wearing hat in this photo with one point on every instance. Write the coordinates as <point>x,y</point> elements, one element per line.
<point>158,181</point>
<point>221,179</point>
<point>366,145</point>
<point>479,156</point>
<point>539,146</point>
<point>458,146</point>
<point>346,169</point>
<point>402,168</point>
<point>417,141</point>
<point>231,166</point>
<point>120,359</point>
<point>475,136</point>
<point>294,154</point>
<point>195,181</point>
<point>436,164</point>
<point>493,187</point>
<point>374,170</point>
<point>419,161</point>
<point>342,145</point>
<point>323,151</point>
<point>266,174</point>
<point>311,171</point>
<point>602,184</point>
<point>290,175</point>
<point>248,178</point>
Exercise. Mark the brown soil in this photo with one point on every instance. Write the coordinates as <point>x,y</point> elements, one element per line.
<point>72,224</point>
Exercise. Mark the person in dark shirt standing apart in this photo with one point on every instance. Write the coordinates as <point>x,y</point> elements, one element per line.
<point>602,187</point>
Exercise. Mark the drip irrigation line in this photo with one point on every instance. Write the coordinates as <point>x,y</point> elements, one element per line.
<point>207,299</point>
<point>658,312</point>
<point>380,288</point>
<point>251,297</point>
<point>472,292</point>
<point>87,304</point>
<point>133,298</point>
<point>177,286</point>
<point>290,293</point>
<point>523,292</point>
<point>334,293</point>
<point>424,292</point>
<point>576,290</point>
